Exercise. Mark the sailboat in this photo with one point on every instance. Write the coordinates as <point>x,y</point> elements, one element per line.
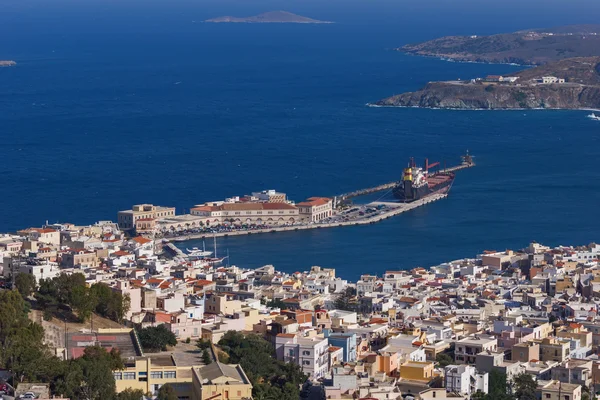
<point>215,260</point>
<point>196,252</point>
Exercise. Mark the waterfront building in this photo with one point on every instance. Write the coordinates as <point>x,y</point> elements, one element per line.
<point>249,213</point>
<point>315,209</point>
<point>127,219</point>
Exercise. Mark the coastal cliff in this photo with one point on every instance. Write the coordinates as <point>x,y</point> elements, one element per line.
<point>579,87</point>
<point>7,63</point>
<point>456,96</point>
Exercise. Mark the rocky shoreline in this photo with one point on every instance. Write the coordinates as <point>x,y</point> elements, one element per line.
<point>566,84</point>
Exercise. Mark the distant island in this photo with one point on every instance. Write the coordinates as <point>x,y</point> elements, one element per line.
<point>527,47</point>
<point>572,83</point>
<point>7,63</point>
<point>269,17</point>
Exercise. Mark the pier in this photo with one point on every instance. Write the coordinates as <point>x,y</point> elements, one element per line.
<point>390,209</point>
<point>398,208</point>
<point>386,186</point>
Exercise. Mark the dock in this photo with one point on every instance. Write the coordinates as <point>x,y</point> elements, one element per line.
<point>390,185</point>
<point>392,209</point>
<point>398,209</point>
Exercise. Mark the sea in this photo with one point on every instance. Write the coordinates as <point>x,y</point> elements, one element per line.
<point>115,103</point>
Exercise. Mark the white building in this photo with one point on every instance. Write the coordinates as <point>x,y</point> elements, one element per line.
<point>464,379</point>
<point>551,79</point>
<point>311,354</point>
<point>466,350</point>
<point>38,268</point>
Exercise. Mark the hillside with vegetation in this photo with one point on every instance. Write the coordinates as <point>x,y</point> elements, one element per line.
<point>580,90</point>
<point>527,47</point>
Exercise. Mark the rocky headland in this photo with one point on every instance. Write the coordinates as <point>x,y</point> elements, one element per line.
<point>269,17</point>
<point>7,63</point>
<point>527,47</point>
<point>567,84</point>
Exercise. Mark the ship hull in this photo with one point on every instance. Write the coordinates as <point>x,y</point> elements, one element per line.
<point>439,183</point>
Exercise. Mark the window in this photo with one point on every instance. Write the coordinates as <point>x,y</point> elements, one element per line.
<point>118,376</point>
<point>128,375</point>
<point>566,397</point>
<point>433,394</point>
<point>306,353</point>
<point>305,362</point>
<point>156,375</point>
<point>239,393</point>
<point>170,375</point>
<point>548,395</point>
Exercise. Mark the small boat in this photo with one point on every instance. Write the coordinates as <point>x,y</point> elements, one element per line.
<point>594,117</point>
<point>196,252</point>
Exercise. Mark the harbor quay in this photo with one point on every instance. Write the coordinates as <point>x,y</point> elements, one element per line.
<point>391,209</point>
<point>271,211</point>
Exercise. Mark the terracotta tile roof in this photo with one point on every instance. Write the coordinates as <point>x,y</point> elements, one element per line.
<point>141,240</point>
<point>314,202</point>
<point>204,282</point>
<point>43,230</point>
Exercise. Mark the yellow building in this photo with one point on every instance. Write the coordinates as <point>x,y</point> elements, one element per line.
<point>150,373</point>
<point>221,304</point>
<point>555,390</point>
<point>417,371</point>
<point>552,349</point>
<point>220,381</point>
<point>127,219</point>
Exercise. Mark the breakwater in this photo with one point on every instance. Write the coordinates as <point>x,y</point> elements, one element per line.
<point>390,185</point>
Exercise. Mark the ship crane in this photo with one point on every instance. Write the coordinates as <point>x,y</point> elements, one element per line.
<point>427,165</point>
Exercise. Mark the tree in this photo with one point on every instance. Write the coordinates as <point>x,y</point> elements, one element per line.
<point>109,303</point>
<point>525,387</point>
<point>443,360</point>
<point>203,344</point>
<point>206,358</point>
<point>131,394</point>
<point>270,378</point>
<point>344,301</point>
<point>25,284</point>
<point>156,338</point>
<point>499,388</point>
<point>277,303</point>
<point>167,392</point>
<point>82,302</point>
<point>22,349</point>
<point>90,376</point>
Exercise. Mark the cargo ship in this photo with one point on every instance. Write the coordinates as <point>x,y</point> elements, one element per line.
<point>418,182</point>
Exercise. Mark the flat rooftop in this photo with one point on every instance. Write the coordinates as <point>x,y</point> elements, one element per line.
<point>77,342</point>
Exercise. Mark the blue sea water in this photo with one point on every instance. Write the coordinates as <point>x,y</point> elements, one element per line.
<point>120,102</point>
